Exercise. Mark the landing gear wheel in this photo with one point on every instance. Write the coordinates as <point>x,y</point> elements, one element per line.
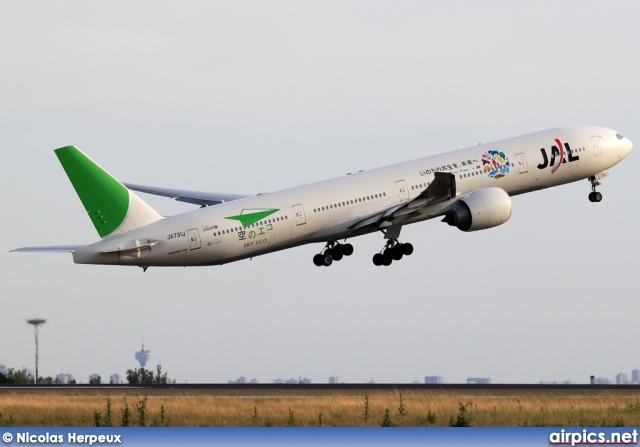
<point>327,260</point>
<point>318,260</point>
<point>337,254</point>
<point>393,251</point>
<point>347,249</point>
<point>594,196</point>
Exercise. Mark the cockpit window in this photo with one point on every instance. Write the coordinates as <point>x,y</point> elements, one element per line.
<point>619,137</point>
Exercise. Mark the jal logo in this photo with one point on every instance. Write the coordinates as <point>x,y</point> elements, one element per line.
<point>558,152</point>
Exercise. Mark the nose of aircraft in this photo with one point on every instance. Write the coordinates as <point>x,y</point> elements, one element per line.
<point>625,147</point>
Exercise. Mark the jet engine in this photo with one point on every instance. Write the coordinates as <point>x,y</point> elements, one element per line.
<point>480,209</point>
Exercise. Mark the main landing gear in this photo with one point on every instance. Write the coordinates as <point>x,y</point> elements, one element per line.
<point>333,251</point>
<point>594,196</point>
<point>393,251</point>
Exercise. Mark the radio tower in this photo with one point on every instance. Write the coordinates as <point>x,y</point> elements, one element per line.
<point>143,356</point>
<point>36,323</point>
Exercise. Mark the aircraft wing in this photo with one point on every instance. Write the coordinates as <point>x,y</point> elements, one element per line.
<point>195,197</point>
<point>49,249</point>
<point>440,190</point>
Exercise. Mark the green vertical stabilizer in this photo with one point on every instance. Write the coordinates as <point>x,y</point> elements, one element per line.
<point>105,198</point>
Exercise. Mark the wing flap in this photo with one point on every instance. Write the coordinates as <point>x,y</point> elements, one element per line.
<point>182,195</point>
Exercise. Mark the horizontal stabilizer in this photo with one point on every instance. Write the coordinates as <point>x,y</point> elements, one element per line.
<point>49,248</point>
<point>181,195</point>
<point>135,247</point>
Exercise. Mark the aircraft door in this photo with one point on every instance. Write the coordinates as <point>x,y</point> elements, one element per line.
<point>298,212</point>
<point>403,191</point>
<point>595,144</point>
<point>194,239</point>
<point>521,160</point>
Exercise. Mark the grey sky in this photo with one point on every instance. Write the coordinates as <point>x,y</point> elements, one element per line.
<point>249,97</point>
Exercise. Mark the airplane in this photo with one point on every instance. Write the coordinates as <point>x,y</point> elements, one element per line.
<point>469,188</point>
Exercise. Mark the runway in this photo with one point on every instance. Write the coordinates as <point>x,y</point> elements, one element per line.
<point>280,390</point>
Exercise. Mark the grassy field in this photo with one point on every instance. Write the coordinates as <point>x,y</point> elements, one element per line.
<point>409,408</point>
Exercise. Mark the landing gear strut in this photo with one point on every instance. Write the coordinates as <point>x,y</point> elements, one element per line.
<point>333,251</point>
<point>393,251</point>
<point>594,196</point>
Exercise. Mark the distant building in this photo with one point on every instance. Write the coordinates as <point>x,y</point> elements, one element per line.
<point>601,381</point>
<point>243,379</point>
<point>143,356</point>
<point>114,378</point>
<point>3,369</point>
<point>290,381</point>
<point>622,379</point>
<point>65,378</point>
<point>334,380</point>
<point>305,381</point>
<point>433,379</point>
<point>635,376</point>
<point>479,380</point>
<point>93,377</point>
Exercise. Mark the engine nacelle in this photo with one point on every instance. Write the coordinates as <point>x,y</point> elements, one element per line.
<point>480,209</point>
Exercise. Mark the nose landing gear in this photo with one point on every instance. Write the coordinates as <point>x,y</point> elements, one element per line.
<point>333,251</point>
<point>393,251</point>
<point>594,196</point>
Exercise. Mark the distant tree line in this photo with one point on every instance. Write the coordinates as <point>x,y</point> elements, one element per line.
<point>140,376</point>
<point>24,376</point>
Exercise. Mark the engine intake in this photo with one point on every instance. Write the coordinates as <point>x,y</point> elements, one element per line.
<point>480,209</point>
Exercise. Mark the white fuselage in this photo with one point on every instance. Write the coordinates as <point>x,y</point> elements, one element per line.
<point>324,211</point>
